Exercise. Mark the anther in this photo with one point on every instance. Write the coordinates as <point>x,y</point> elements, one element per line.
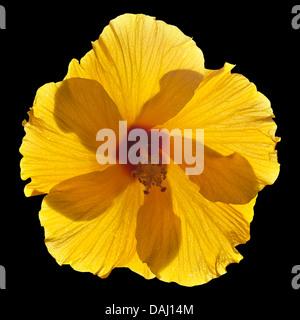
<point>133,174</point>
<point>150,175</point>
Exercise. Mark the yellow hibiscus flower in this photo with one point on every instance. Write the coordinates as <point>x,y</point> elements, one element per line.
<point>98,217</point>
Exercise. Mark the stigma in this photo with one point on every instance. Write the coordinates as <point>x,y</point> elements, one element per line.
<point>150,175</point>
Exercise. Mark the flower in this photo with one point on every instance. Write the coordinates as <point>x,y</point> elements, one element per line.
<point>100,217</point>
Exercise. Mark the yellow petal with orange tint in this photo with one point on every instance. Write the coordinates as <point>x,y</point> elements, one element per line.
<point>60,140</point>
<point>132,55</point>
<point>90,220</point>
<point>237,119</point>
<point>209,234</point>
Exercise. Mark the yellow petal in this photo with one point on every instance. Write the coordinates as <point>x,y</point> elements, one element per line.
<point>210,232</point>
<point>158,231</point>
<point>137,266</point>
<point>237,119</point>
<point>228,179</point>
<point>90,220</point>
<point>60,140</point>
<point>176,89</point>
<point>132,55</point>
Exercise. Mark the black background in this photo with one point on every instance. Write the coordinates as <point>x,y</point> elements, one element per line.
<point>39,42</point>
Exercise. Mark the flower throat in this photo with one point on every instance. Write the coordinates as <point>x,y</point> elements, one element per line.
<point>148,174</point>
<point>147,152</point>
